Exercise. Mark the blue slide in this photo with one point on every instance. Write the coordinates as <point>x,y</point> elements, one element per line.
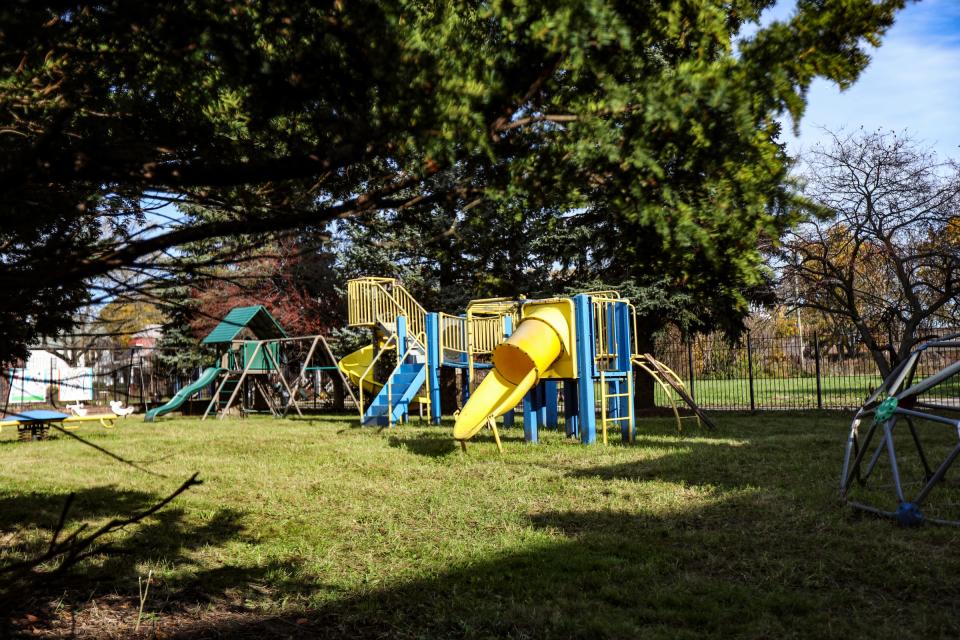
<point>209,375</point>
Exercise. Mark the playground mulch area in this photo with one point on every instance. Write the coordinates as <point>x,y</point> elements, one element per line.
<point>317,528</point>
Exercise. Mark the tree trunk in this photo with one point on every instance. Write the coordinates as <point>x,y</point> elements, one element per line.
<point>876,351</point>
<point>449,402</point>
<point>643,383</point>
<point>338,393</point>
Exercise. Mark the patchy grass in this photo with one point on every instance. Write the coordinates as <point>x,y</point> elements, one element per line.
<point>316,528</point>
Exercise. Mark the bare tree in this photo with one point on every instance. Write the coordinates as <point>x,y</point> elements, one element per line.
<point>882,249</point>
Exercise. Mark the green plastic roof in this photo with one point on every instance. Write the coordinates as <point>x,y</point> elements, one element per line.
<point>263,325</point>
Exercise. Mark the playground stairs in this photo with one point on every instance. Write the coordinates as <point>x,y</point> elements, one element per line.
<point>393,400</point>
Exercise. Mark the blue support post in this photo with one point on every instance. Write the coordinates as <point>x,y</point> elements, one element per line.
<point>625,365</point>
<point>586,399</point>
<point>433,365</point>
<point>541,403</point>
<point>401,336</point>
<point>402,349</point>
<point>530,416</point>
<point>570,412</point>
<point>550,404</point>
<point>624,340</point>
<point>508,417</point>
<point>610,320</point>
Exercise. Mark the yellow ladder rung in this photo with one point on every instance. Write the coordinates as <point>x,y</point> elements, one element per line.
<point>616,419</point>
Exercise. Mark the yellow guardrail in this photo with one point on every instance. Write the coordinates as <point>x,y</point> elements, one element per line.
<point>476,336</point>
<point>375,301</point>
<point>603,313</point>
<point>453,333</point>
<point>372,301</point>
<point>484,334</point>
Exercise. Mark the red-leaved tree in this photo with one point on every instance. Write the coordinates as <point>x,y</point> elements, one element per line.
<point>297,288</point>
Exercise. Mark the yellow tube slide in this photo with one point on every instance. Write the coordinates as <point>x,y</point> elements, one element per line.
<point>354,364</point>
<point>518,364</point>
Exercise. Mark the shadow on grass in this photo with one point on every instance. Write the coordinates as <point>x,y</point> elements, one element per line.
<point>440,443</point>
<point>324,419</point>
<point>732,564</point>
<point>425,445</point>
<point>603,574</point>
<point>689,463</point>
<point>27,520</point>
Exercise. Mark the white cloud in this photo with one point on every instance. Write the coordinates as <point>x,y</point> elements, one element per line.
<point>912,84</point>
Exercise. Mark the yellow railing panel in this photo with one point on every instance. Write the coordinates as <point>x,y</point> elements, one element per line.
<point>603,315</point>
<point>372,301</point>
<point>453,333</point>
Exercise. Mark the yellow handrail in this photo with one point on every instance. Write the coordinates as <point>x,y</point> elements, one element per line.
<point>373,362</point>
<point>642,361</point>
<point>494,306</point>
<point>380,300</point>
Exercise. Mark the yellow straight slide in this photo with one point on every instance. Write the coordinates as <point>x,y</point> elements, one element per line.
<point>518,363</point>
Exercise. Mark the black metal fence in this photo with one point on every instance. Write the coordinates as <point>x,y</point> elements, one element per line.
<point>144,379</point>
<point>797,372</point>
<point>756,373</point>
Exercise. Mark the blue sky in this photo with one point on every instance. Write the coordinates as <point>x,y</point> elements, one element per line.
<point>912,83</point>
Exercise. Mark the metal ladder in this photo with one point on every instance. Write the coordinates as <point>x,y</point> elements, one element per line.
<point>605,396</point>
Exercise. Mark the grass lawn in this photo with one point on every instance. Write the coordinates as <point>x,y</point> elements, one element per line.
<point>316,528</point>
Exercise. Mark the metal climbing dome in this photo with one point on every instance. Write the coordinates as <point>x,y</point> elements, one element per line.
<point>905,438</point>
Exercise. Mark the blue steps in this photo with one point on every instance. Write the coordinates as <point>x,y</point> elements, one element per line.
<point>405,381</point>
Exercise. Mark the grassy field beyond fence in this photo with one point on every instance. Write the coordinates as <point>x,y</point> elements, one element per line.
<point>316,528</point>
<point>836,392</point>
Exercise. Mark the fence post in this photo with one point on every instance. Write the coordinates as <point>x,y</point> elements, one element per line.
<point>690,367</point>
<point>753,403</point>
<point>143,391</point>
<point>128,381</point>
<point>816,360</point>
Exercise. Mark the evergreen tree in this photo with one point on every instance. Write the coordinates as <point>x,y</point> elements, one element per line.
<point>643,116</point>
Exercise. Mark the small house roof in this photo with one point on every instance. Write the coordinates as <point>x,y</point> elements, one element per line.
<point>263,325</point>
